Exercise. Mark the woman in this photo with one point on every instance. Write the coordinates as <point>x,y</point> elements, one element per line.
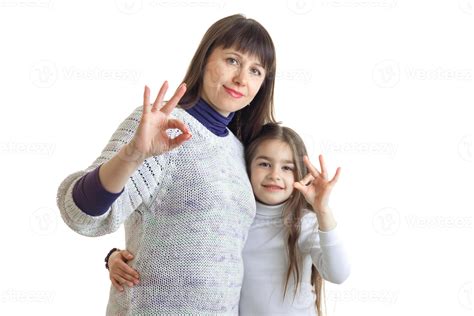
<point>176,178</point>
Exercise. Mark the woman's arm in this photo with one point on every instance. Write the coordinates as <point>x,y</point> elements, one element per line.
<point>139,142</point>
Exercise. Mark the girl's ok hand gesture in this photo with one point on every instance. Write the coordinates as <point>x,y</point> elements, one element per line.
<point>151,136</point>
<point>316,186</point>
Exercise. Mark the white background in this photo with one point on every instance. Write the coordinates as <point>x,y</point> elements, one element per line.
<point>381,87</point>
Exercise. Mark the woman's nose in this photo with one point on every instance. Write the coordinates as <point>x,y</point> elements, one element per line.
<point>240,77</point>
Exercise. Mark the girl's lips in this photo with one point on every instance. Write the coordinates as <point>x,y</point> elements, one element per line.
<point>273,187</point>
<point>233,93</point>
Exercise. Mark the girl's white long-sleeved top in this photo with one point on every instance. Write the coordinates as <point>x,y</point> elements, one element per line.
<point>266,263</point>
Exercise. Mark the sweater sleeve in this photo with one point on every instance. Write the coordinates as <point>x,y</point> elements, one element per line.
<point>326,249</point>
<point>137,193</point>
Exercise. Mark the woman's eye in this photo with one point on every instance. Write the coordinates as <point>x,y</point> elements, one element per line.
<point>256,72</point>
<point>232,61</point>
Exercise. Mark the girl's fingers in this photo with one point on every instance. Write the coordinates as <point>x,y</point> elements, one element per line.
<point>311,168</point>
<point>324,171</point>
<point>298,186</point>
<point>336,176</point>
<point>159,98</point>
<point>171,104</point>
<point>116,284</point>
<point>128,272</point>
<point>307,179</point>
<point>130,281</point>
<point>122,281</point>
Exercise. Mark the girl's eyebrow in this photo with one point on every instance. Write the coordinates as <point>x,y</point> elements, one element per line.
<point>241,57</point>
<point>291,162</point>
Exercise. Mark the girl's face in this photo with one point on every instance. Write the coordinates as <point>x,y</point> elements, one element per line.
<point>272,172</point>
<point>231,80</point>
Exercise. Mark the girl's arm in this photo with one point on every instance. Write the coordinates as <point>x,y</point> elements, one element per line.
<point>318,232</point>
<point>316,188</point>
<point>120,273</point>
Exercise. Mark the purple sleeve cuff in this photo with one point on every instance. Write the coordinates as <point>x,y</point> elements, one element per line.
<point>90,196</point>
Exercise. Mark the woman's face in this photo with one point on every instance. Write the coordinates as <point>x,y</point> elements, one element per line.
<point>231,80</point>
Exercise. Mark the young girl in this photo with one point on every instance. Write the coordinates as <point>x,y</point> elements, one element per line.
<point>174,175</point>
<point>292,244</point>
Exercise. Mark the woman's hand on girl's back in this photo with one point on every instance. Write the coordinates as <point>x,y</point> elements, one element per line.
<point>120,272</point>
<point>151,137</point>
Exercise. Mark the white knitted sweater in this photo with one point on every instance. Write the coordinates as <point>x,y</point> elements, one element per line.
<point>186,213</point>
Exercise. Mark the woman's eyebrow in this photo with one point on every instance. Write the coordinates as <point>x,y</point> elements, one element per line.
<point>241,57</point>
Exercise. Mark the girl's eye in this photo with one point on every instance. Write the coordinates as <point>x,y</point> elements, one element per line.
<point>287,168</point>
<point>264,164</point>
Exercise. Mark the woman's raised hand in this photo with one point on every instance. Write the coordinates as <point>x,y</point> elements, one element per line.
<point>151,137</point>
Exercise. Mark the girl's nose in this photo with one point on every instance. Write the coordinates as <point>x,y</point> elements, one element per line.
<point>274,174</point>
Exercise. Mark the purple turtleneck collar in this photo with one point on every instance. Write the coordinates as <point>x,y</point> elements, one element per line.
<point>210,118</point>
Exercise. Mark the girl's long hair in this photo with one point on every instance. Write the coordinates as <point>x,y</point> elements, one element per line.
<point>294,206</point>
<point>247,36</point>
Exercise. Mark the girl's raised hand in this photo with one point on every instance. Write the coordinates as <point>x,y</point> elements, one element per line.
<point>151,138</point>
<point>120,273</point>
<point>316,186</point>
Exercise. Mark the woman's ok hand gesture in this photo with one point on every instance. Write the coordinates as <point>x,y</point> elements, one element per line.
<point>151,137</point>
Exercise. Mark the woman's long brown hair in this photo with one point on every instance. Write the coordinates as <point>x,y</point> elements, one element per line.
<point>247,36</point>
<point>294,206</point>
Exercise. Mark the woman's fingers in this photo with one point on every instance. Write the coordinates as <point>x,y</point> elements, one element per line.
<point>174,123</point>
<point>146,100</point>
<point>159,98</point>
<point>171,104</point>
<point>178,141</point>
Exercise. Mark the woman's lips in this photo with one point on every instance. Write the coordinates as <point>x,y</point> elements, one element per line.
<point>233,93</point>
